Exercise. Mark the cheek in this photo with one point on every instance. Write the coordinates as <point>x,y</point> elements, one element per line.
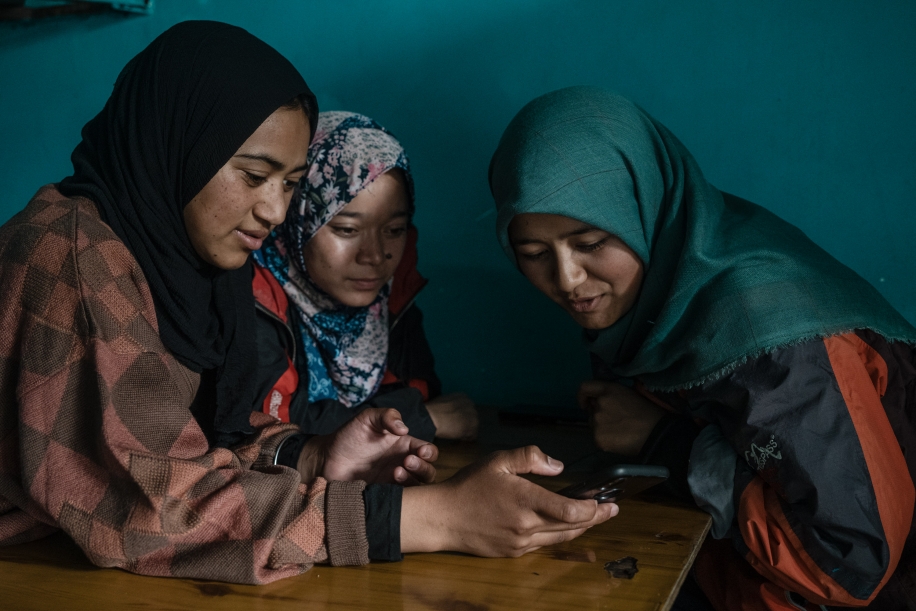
<point>213,213</point>
<point>395,248</point>
<point>327,255</point>
<point>624,271</point>
<point>537,273</point>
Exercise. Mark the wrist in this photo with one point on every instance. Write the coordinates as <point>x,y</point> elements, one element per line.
<point>424,525</point>
<point>313,458</point>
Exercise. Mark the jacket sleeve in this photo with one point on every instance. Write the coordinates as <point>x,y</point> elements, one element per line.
<point>110,453</point>
<point>410,358</point>
<point>821,496</point>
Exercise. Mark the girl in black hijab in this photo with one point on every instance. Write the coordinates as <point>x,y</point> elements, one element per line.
<point>178,112</point>
<point>127,352</point>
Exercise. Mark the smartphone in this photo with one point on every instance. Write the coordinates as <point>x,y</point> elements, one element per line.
<point>616,483</point>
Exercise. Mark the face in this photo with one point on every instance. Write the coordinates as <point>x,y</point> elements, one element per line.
<point>355,253</point>
<point>248,197</point>
<point>589,272</point>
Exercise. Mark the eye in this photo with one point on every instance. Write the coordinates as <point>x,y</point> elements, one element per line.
<point>344,230</point>
<point>290,183</point>
<point>396,232</point>
<point>592,246</point>
<point>254,179</point>
<point>533,256</point>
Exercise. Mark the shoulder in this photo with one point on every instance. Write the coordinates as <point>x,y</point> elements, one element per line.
<point>64,266</point>
<point>813,365</point>
<point>53,228</point>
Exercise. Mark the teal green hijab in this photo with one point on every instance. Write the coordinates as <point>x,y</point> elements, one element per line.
<point>725,280</point>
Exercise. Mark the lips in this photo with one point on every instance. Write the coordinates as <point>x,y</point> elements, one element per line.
<point>588,304</point>
<point>252,239</point>
<point>366,284</point>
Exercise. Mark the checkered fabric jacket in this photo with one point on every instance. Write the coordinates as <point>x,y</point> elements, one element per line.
<point>96,436</point>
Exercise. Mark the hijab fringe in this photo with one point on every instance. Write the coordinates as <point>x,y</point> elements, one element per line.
<point>730,367</point>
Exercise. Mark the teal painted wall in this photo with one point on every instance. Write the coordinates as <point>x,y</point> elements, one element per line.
<point>804,107</point>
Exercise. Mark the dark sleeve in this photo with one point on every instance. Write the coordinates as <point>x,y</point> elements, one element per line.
<point>669,445</point>
<point>409,354</point>
<point>409,402</point>
<point>290,448</point>
<point>383,521</point>
<point>321,417</point>
<point>326,416</point>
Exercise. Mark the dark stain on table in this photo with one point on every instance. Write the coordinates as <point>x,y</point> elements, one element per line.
<point>623,568</point>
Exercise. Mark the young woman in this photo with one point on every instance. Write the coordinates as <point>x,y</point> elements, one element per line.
<point>775,383</point>
<point>128,358</point>
<point>345,260</point>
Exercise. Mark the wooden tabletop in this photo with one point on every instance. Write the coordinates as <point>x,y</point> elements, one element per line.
<point>663,537</point>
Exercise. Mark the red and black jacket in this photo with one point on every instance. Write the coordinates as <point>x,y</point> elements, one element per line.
<point>809,470</point>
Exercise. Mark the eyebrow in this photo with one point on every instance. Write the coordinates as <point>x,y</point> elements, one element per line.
<point>356,215</point>
<point>271,161</point>
<point>568,234</point>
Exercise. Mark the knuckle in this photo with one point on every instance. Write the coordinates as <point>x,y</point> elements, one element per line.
<point>569,513</point>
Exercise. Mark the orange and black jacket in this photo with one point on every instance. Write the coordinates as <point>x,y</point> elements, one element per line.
<point>806,459</point>
<point>410,378</point>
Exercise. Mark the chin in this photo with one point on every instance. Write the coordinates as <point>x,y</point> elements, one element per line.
<point>593,322</point>
<point>230,263</point>
<point>356,300</point>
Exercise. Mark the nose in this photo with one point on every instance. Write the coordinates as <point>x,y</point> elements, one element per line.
<point>569,273</point>
<point>371,250</point>
<point>272,206</point>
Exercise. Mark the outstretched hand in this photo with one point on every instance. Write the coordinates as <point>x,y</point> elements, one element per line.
<point>486,509</point>
<point>373,447</point>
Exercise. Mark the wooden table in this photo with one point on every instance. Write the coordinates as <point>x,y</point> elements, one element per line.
<point>664,538</point>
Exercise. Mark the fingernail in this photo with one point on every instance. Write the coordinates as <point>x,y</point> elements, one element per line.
<point>553,463</point>
<point>400,424</point>
<point>413,462</point>
<point>614,509</point>
<point>426,452</point>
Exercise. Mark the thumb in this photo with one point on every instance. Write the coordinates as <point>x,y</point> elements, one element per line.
<point>529,459</point>
<point>390,420</point>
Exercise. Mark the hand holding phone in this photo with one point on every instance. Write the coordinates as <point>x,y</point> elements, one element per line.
<point>616,483</point>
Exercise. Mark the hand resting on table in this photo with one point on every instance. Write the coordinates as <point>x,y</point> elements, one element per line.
<point>373,447</point>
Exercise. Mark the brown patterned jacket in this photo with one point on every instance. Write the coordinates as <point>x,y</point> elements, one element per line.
<point>96,435</point>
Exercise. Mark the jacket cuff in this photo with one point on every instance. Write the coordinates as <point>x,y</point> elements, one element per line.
<point>383,521</point>
<point>669,445</point>
<point>345,517</point>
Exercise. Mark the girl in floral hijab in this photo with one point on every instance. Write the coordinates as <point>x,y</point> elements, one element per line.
<point>345,347</point>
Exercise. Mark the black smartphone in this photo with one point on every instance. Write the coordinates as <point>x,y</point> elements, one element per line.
<point>615,483</point>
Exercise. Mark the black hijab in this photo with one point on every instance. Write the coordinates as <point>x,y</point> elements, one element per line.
<point>179,111</point>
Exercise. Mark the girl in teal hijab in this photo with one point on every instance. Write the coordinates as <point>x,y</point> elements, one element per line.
<point>786,381</point>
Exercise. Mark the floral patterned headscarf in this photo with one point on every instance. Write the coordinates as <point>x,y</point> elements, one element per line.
<point>346,348</point>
